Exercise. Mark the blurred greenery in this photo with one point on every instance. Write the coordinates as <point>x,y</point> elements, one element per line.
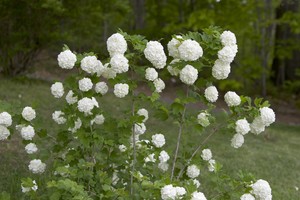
<point>268,33</point>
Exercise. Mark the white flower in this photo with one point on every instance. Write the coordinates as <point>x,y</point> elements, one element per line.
<point>232,99</point>
<point>206,154</point>
<point>109,73</point>
<point>121,90</point>
<point>211,94</point>
<point>193,171</point>
<point>196,183</point>
<point>5,119</point>
<point>4,133</point>
<point>91,65</point>
<point>173,46</point>
<point>267,115</point>
<point>198,196</point>
<point>151,74</point>
<point>221,69</point>
<point>150,158</point>
<point>143,112</point>
<point>85,84</point>
<point>36,166</point>
<point>116,44</point>
<point>180,191</point>
<point>154,52</point>
<point>77,126</point>
<point>28,189</point>
<point>247,197</point>
<point>227,53</point>
<point>139,129</point>
<point>257,126</point>
<point>158,140</point>
<point>101,87</point>
<point>159,85</point>
<point>203,119</point>
<point>261,190</point>
<point>174,71</point>
<point>57,116</point>
<point>119,63</point>
<point>66,59</point>
<point>228,38</point>
<point>28,113</point>
<point>31,148</point>
<point>163,166</point>
<point>242,126</point>
<point>211,165</point>
<point>168,192</point>
<point>190,50</point>
<point>27,132</point>
<point>57,90</point>
<point>122,148</point>
<point>163,156</point>
<point>237,141</point>
<point>99,119</point>
<point>115,178</point>
<point>86,105</point>
<point>188,75</point>
<point>70,98</point>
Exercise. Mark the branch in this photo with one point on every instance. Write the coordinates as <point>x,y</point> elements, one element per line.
<point>179,136</point>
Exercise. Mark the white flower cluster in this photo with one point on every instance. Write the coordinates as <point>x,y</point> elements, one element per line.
<point>198,196</point>
<point>66,59</point>
<point>193,171</point>
<point>91,65</point>
<point>173,46</point>
<point>27,132</point>
<point>121,90</point>
<point>143,112</point>
<point>159,85</point>
<point>163,159</point>
<point>242,127</point>
<point>221,68</point>
<point>122,148</point>
<point>57,116</point>
<point>70,98</point>
<point>28,113</point>
<point>169,192</point>
<point>57,90</point>
<point>188,75</point>
<point>211,94</point>
<point>28,189</point>
<point>203,119</point>
<point>151,74</point>
<point>139,128</point>
<point>158,140</point>
<point>174,71</point>
<point>108,72</point>
<point>77,125</point>
<point>247,196</point>
<point>150,158</point>
<point>266,118</point>
<point>207,156</point>
<point>86,105</point>
<point>190,50</point>
<point>101,87</point>
<point>261,190</point>
<point>119,63</point>
<point>116,44</point>
<point>5,119</point>
<point>36,166</point>
<point>85,84</point>
<point>31,148</point>
<point>99,119</point>
<point>154,52</point>
<point>232,99</point>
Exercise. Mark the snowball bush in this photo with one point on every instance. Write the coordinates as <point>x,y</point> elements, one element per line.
<point>104,146</point>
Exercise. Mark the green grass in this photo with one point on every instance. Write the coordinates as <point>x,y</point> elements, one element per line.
<point>273,156</point>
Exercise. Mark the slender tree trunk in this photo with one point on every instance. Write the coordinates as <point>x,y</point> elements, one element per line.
<point>139,14</point>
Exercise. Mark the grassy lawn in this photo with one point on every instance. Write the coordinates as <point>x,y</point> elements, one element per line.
<point>273,156</point>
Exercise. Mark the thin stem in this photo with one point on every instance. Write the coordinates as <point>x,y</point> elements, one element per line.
<point>179,137</point>
<point>196,151</point>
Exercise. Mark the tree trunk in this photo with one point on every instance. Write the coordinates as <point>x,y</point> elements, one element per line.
<point>139,14</point>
